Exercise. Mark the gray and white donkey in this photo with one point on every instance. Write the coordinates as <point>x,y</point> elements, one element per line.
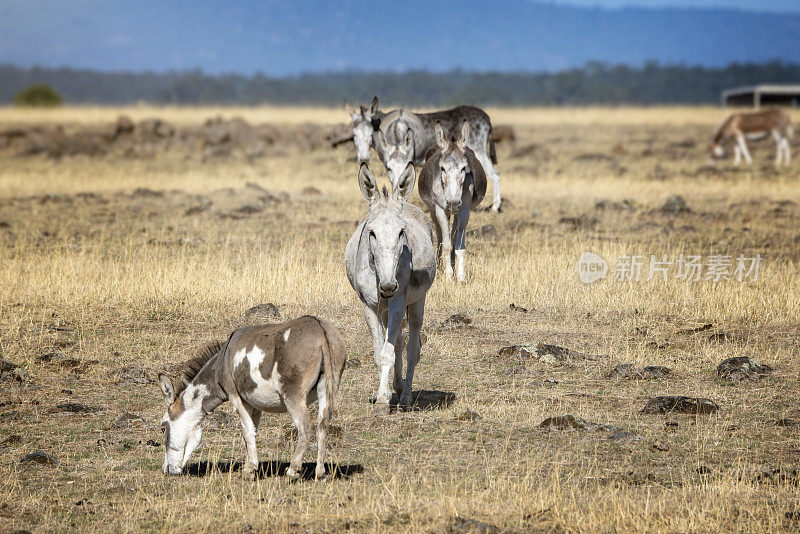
<point>366,121</point>
<point>404,136</point>
<point>452,182</point>
<point>400,137</point>
<point>391,264</point>
<point>268,368</point>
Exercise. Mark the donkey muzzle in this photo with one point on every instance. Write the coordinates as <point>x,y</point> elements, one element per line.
<point>172,470</point>
<point>388,289</point>
<point>454,206</point>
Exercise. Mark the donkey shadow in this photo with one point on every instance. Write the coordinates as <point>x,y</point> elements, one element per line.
<point>423,400</point>
<point>272,468</point>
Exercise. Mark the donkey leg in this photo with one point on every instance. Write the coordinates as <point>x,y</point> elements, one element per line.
<point>776,136</point>
<point>323,421</point>
<point>737,154</point>
<point>249,418</point>
<point>491,173</point>
<point>444,223</point>
<point>398,365</point>
<point>787,156</point>
<point>377,330</point>
<point>394,324</point>
<point>298,409</point>
<point>438,233</point>
<point>745,152</point>
<point>460,244</point>
<point>787,151</point>
<point>416,312</point>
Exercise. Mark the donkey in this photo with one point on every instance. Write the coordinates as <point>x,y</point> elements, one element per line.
<point>396,147</point>
<point>452,182</point>
<point>754,125</point>
<point>366,121</point>
<point>268,368</point>
<point>391,264</point>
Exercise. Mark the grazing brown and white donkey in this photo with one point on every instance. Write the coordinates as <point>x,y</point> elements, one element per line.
<point>268,368</point>
<point>753,125</point>
<point>452,183</point>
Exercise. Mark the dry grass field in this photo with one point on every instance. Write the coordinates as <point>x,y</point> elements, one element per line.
<point>113,269</point>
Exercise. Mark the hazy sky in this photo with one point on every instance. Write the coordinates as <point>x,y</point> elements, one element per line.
<point>753,5</point>
<point>279,37</point>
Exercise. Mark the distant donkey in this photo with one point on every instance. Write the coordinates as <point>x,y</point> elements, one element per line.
<point>366,121</point>
<point>754,125</point>
<point>452,182</point>
<point>391,264</point>
<point>406,136</point>
<point>269,368</point>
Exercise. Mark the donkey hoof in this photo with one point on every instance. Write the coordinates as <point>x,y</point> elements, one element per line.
<point>319,474</point>
<point>292,473</point>
<point>249,473</point>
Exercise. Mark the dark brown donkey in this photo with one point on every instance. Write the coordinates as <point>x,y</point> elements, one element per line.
<point>269,368</point>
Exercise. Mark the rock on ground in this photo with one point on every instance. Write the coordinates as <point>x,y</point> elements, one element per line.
<point>262,313</point>
<point>675,205</point>
<point>458,319</point>
<point>628,371</point>
<point>128,420</point>
<point>465,525</point>
<point>39,457</point>
<point>680,404</point>
<point>570,422</point>
<point>742,368</point>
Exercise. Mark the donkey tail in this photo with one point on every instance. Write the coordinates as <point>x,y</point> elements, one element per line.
<point>330,372</point>
<point>492,152</point>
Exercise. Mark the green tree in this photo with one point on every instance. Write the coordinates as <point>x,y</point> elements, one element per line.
<point>38,96</point>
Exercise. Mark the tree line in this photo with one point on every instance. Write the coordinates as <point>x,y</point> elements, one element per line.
<point>594,83</point>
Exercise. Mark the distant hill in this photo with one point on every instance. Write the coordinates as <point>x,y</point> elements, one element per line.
<point>278,38</point>
<point>595,83</point>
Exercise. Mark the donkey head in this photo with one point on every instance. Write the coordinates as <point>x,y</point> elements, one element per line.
<point>453,165</point>
<point>396,156</point>
<point>386,226</point>
<point>181,423</point>
<point>715,150</point>
<point>362,127</point>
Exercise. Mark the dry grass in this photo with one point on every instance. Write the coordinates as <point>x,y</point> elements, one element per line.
<point>520,117</point>
<point>116,280</point>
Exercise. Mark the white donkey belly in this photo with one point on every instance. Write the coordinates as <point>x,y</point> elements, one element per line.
<point>755,136</point>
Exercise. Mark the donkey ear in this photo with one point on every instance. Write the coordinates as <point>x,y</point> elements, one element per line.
<point>166,388</point>
<point>348,107</point>
<point>405,184</point>
<point>462,141</point>
<point>408,142</point>
<point>441,140</point>
<point>373,107</point>
<point>367,183</point>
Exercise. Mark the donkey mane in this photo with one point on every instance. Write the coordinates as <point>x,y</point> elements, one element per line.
<point>193,366</point>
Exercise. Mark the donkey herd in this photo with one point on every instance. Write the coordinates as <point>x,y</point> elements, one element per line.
<point>391,263</point>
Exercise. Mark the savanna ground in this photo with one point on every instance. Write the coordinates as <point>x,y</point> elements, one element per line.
<point>113,269</point>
